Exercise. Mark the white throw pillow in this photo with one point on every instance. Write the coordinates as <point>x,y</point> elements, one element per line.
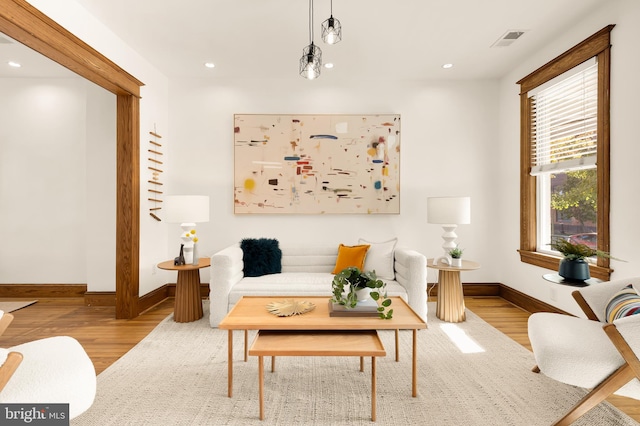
<point>380,258</point>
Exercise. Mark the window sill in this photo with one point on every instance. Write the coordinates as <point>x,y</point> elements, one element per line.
<point>551,262</point>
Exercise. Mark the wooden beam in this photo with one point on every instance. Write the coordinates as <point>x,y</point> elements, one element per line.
<point>128,207</point>
<point>26,24</point>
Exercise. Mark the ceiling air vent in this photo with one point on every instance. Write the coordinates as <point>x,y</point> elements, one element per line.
<point>507,38</point>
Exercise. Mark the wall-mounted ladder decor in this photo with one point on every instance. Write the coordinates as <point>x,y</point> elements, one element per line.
<point>155,184</point>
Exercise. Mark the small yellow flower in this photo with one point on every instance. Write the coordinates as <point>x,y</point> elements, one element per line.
<point>193,231</point>
<point>195,239</point>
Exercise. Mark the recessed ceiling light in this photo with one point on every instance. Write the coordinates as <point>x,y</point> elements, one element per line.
<point>209,65</point>
<point>447,66</point>
<point>328,65</point>
<point>14,64</point>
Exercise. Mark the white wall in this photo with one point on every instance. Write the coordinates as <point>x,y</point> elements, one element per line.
<point>625,150</point>
<point>100,188</point>
<point>43,171</point>
<point>447,144</point>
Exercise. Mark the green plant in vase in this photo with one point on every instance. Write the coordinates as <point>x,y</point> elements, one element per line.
<point>574,265</point>
<point>456,256</point>
<point>456,253</point>
<point>347,282</point>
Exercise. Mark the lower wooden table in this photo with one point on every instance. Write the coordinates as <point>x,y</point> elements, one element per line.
<point>250,313</point>
<point>317,343</point>
<point>188,305</point>
<point>450,305</point>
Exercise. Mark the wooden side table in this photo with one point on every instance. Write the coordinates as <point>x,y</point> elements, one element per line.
<point>188,304</point>
<point>450,306</point>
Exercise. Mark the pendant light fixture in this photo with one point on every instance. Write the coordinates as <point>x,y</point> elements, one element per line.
<point>311,59</point>
<point>331,29</point>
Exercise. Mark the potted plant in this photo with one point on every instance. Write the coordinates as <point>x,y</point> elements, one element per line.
<point>574,265</point>
<point>347,283</point>
<point>456,256</point>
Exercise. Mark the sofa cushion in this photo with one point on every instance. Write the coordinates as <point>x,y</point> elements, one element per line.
<point>295,284</point>
<point>380,258</point>
<point>350,256</point>
<point>622,304</point>
<point>261,256</point>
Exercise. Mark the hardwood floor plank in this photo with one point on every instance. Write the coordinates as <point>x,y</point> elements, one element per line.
<point>106,339</point>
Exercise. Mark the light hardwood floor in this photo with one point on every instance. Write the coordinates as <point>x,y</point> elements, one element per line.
<point>106,339</point>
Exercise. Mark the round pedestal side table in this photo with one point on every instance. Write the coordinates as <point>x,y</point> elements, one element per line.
<point>188,304</point>
<point>450,306</point>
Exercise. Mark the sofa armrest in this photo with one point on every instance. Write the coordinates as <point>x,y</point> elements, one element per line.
<point>597,295</point>
<point>411,272</point>
<point>226,271</point>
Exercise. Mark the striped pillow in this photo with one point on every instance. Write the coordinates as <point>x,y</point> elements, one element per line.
<point>624,303</point>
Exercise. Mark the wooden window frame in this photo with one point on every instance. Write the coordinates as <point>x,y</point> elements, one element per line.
<point>599,46</point>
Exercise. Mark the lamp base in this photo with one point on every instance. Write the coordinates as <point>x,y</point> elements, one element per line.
<point>449,238</point>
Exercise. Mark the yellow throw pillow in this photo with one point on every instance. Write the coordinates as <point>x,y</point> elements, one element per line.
<point>350,256</point>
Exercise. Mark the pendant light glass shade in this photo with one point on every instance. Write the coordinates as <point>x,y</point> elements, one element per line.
<point>311,59</point>
<point>331,31</point>
<point>310,62</point>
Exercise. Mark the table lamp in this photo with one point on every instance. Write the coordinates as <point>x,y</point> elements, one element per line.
<point>449,212</point>
<point>187,210</point>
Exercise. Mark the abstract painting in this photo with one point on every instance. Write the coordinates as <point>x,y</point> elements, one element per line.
<point>317,164</point>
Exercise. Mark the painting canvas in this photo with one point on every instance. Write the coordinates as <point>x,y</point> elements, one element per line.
<point>317,164</point>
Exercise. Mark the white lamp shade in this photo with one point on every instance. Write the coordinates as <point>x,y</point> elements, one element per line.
<point>449,210</point>
<point>187,208</point>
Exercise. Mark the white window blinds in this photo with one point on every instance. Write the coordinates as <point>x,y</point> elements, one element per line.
<point>564,121</point>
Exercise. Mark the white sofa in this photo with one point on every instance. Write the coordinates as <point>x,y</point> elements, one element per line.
<point>306,271</point>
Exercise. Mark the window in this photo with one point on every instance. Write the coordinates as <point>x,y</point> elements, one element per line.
<point>564,166</point>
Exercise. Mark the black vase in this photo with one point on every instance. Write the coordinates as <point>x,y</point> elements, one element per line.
<point>574,270</point>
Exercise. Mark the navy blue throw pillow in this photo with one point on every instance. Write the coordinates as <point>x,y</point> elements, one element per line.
<point>261,256</point>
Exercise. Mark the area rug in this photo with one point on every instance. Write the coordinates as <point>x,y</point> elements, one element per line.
<point>177,375</point>
<point>15,305</point>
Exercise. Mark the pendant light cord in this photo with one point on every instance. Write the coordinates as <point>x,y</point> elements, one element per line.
<point>310,21</point>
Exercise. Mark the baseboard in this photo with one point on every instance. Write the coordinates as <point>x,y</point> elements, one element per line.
<point>42,290</point>
<point>519,299</point>
<point>527,302</point>
<point>152,298</point>
<point>108,298</point>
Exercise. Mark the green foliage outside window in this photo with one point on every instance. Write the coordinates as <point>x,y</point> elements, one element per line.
<point>578,196</point>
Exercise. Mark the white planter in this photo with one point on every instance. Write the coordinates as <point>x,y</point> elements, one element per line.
<point>363,294</point>
<point>456,262</point>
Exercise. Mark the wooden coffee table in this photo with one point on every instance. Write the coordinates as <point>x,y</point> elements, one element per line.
<point>250,313</point>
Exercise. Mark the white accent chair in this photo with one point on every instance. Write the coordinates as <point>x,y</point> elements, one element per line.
<point>52,370</point>
<point>589,353</point>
